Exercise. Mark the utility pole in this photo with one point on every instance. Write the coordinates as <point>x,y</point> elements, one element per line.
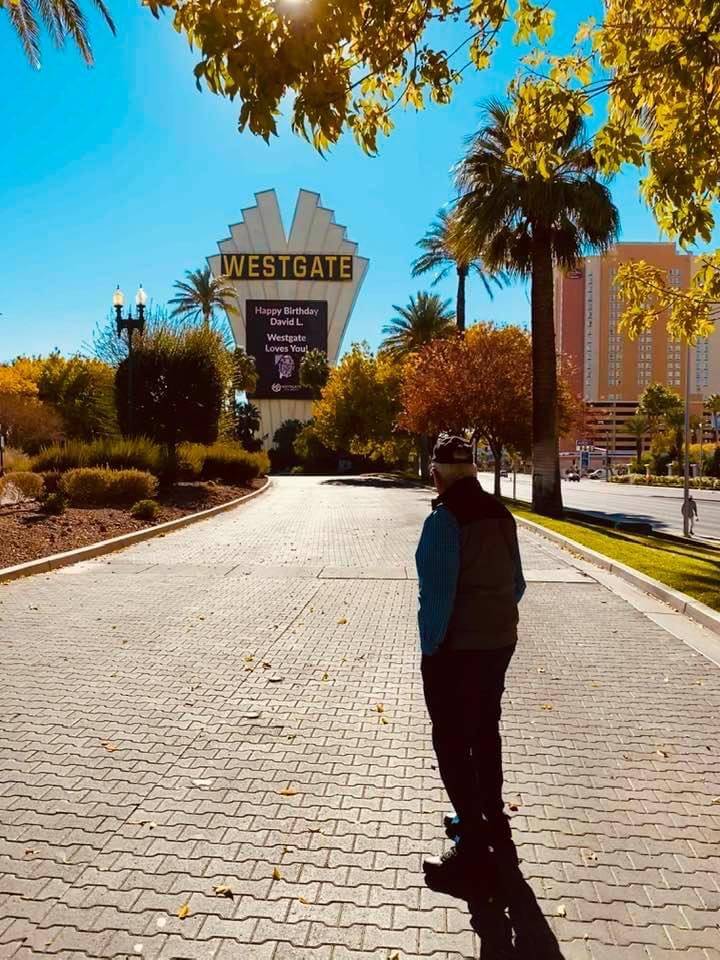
<point>686,472</point>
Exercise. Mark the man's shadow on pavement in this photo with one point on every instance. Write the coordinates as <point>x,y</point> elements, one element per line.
<point>507,918</point>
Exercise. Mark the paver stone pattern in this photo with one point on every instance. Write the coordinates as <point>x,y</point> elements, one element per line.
<point>238,705</point>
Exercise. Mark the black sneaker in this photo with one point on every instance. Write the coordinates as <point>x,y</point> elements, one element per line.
<point>457,873</point>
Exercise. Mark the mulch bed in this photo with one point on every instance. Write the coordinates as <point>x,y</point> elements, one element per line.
<point>26,533</point>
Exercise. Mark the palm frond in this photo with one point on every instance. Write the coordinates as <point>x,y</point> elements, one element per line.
<point>22,18</point>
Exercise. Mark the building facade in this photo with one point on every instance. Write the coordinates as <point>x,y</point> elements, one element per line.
<point>608,369</point>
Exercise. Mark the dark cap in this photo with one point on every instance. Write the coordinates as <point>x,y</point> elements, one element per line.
<point>452,450</point>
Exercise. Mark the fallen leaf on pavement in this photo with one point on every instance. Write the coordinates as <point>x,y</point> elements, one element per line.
<point>541,669</point>
<point>715,800</point>
<point>546,706</point>
<point>303,900</point>
<point>394,956</point>
<point>383,720</point>
<point>183,911</point>
<point>276,875</point>
<point>249,658</point>
<point>253,715</point>
<point>287,791</point>
<point>314,829</point>
<point>561,911</point>
<point>380,708</point>
<point>202,782</point>
<point>275,679</point>
<point>662,753</point>
<point>325,676</point>
<point>222,890</point>
<point>265,665</point>
<point>109,745</point>
<point>514,807</point>
<point>342,620</point>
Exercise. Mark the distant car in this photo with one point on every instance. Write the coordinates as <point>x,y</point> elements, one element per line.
<point>597,475</point>
<point>571,475</point>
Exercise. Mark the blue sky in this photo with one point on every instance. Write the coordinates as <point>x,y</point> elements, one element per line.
<point>125,173</point>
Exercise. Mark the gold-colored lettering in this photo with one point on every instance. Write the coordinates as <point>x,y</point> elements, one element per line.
<point>253,266</point>
<point>330,261</point>
<point>316,270</point>
<point>346,265</point>
<point>269,267</point>
<point>284,259</point>
<point>232,264</point>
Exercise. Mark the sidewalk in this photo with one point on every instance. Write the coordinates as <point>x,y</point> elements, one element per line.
<point>155,707</point>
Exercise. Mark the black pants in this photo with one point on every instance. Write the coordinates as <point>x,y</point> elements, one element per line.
<point>463,690</point>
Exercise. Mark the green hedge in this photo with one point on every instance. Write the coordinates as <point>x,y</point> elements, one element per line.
<point>231,463</point>
<point>97,486</point>
<point>640,480</point>
<point>30,485</point>
<point>137,453</point>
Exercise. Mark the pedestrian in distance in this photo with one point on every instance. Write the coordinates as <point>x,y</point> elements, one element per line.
<point>470,582</point>
<point>689,510</point>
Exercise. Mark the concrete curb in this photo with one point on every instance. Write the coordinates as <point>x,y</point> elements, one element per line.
<point>681,602</point>
<point>56,560</point>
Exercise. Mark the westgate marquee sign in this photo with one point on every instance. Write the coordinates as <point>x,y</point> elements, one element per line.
<point>295,291</point>
<point>287,266</point>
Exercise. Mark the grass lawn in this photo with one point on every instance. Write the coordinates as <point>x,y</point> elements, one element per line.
<point>693,570</point>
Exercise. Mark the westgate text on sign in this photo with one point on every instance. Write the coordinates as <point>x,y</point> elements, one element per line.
<point>287,266</point>
<point>279,334</point>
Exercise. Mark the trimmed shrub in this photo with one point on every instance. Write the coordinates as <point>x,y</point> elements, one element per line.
<point>145,509</point>
<point>29,485</point>
<point>232,464</point>
<point>51,481</point>
<point>16,460</point>
<point>95,486</point>
<point>137,453</point>
<point>54,504</point>
<point>190,460</point>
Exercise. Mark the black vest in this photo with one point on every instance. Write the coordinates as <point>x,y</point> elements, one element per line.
<point>485,614</point>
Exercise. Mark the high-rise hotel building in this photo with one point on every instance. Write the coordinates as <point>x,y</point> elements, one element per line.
<point>611,371</point>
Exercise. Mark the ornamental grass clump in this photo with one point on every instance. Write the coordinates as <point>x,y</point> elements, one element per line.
<point>25,485</point>
<point>231,463</point>
<point>137,453</point>
<point>100,487</point>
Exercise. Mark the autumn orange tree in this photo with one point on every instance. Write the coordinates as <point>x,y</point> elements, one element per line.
<point>478,383</point>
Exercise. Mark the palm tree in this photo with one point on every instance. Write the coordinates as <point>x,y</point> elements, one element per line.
<point>440,255</point>
<point>712,405</point>
<point>424,318</point>
<point>61,18</point>
<point>526,224</point>
<point>202,294</point>
<point>637,426</point>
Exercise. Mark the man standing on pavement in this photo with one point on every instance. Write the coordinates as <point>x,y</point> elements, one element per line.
<point>470,582</point>
<point>689,510</point>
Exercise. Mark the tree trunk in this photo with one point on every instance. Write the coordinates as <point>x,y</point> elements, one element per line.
<point>546,490</point>
<point>460,306</point>
<point>638,448</point>
<point>497,457</point>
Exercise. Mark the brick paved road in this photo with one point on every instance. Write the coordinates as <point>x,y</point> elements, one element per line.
<point>154,706</point>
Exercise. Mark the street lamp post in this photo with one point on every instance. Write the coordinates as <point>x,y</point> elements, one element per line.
<point>130,324</point>
<point>686,465</point>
